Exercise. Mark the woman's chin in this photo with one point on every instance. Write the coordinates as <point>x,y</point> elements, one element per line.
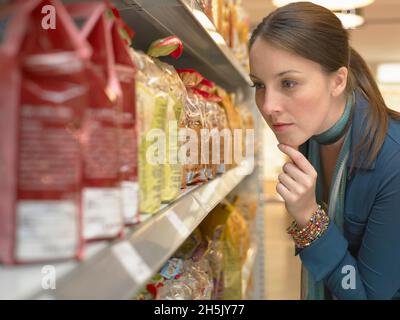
<point>294,142</point>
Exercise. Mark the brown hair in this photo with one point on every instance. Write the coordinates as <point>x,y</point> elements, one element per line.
<point>315,33</point>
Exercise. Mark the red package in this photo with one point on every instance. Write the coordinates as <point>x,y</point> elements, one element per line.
<point>126,72</point>
<point>41,112</point>
<point>101,193</point>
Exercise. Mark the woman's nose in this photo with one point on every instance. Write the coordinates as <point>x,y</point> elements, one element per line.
<point>271,103</point>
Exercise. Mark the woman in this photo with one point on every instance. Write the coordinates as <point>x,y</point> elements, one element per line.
<point>342,185</point>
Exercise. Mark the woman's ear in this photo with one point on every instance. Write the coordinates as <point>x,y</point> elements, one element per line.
<point>339,81</point>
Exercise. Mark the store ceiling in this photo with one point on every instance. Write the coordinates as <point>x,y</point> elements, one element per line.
<point>378,40</point>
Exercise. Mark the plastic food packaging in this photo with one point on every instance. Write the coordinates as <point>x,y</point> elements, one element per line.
<point>220,138</point>
<point>152,288</point>
<point>101,194</point>
<point>128,153</point>
<point>43,100</point>
<point>172,169</point>
<point>175,290</point>
<point>193,118</point>
<point>197,275</point>
<point>236,127</point>
<point>248,124</point>
<point>230,288</point>
<point>215,256</point>
<point>151,110</point>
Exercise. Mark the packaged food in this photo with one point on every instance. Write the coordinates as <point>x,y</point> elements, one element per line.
<point>243,26</point>
<point>176,95</point>
<point>151,110</point>
<point>226,138</point>
<point>125,69</point>
<point>10,79</point>
<point>101,194</point>
<point>190,77</point>
<point>193,118</point>
<point>175,290</point>
<point>224,218</point>
<point>239,232</point>
<point>172,268</point>
<point>220,134</point>
<point>197,275</point>
<point>205,141</point>
<point>151,290</point>
<point>236,127</point>
<point>232,266</point>
<point>215,258</point>
<point>43,102</point>
<point>172,169</point>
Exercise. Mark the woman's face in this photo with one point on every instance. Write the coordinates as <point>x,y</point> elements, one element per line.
<point>293,94</point>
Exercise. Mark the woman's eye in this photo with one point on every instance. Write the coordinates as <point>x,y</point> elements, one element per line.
<point>288,84</point>
<point>258,85</point>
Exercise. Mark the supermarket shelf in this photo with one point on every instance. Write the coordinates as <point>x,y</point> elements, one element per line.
<point>117,270</point>
<point>204,48</point>
<point>248,268</point>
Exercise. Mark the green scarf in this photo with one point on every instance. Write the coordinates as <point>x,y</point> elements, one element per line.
<point>311,289</point>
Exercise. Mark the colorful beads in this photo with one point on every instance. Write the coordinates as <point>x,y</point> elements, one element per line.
<point>317,225</point>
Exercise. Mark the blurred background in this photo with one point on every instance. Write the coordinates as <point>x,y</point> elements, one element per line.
<point>377,39</point>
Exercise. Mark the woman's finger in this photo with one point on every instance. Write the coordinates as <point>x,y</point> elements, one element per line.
<point>284,192</point>
<point>297,157</point>
<point>288,182</point>
<point>293,171</point>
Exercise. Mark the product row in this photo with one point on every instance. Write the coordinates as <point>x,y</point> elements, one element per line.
<point>209,263</point>
<point>232,22</point>
<point>95,134</point>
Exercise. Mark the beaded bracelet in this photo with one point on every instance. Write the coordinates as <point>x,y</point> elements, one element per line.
<point>316,226</point>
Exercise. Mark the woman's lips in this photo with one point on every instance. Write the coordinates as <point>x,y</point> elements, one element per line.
<point>281,127</point>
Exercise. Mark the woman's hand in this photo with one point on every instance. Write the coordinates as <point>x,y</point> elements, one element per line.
<point>297,186</point>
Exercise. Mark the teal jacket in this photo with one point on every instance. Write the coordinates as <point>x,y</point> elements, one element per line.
<point>369,248</point>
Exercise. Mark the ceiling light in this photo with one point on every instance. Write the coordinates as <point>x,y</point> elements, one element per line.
<point>330,4</point>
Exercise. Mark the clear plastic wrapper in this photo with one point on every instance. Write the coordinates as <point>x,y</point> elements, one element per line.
<point>215,256</point>
<point>172,169</point>
<point>152,105</point>
<point>198,276</point>
<point>193,118</point>
<point>176,290</point>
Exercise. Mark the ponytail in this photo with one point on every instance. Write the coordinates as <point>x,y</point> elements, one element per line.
<point>360,78</point>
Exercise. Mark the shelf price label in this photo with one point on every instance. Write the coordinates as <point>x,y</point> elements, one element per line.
<point>132,262</point>
<point>178,224</point>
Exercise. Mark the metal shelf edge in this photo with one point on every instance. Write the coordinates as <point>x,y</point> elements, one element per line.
<point>119,269</point>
